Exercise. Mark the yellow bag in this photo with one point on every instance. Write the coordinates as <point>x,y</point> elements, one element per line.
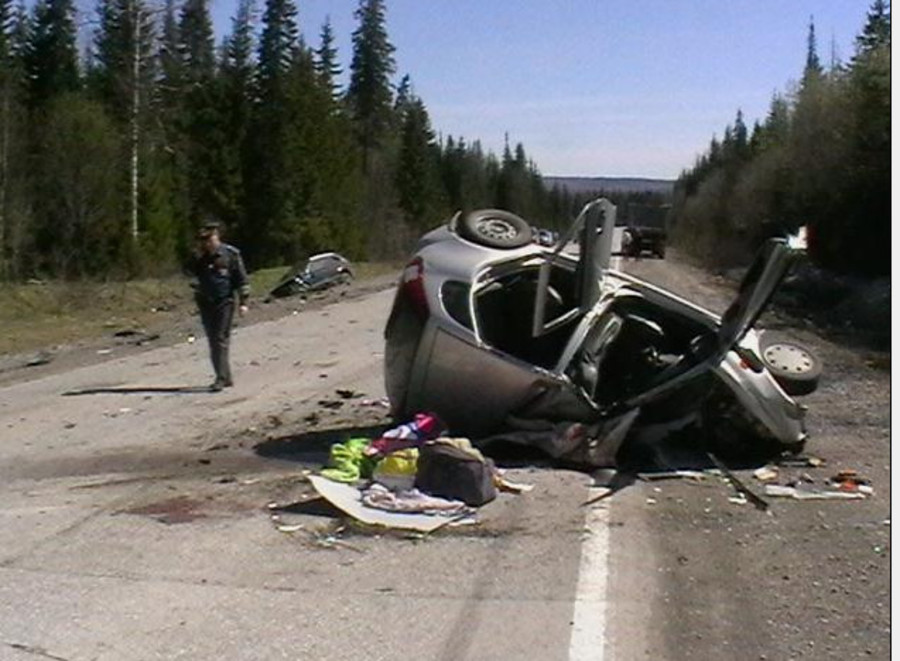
<point>397,471</point>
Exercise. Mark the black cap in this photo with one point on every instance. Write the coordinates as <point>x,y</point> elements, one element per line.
<point>208,229</point>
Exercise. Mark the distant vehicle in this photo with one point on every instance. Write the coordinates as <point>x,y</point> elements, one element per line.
<point>638,239</point>
<point>488,327</point>
<point>319,272</point>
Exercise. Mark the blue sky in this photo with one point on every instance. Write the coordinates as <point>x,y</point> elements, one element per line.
<point>594,87</point>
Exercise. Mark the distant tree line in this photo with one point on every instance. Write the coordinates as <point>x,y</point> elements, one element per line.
<point>110,160</point>
<point>821,158</point>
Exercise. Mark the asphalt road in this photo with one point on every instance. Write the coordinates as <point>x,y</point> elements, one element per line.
<point>134,524</point>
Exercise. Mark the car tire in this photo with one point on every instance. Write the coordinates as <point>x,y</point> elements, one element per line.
<point>796,368</point>
<point>495,228</point>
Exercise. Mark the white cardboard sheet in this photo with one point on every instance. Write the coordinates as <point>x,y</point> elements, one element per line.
<point>348,499</point>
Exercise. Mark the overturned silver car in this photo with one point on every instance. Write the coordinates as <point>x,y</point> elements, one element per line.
<point>495,333</point>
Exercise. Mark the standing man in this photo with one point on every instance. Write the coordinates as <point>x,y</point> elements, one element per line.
<point>221,276</point>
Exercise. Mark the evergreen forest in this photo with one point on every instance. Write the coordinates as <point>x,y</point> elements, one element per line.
<point>111,159</point>
<point>111,155</point>
<point>821,158</point>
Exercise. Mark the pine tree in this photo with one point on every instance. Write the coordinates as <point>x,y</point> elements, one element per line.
<point>277,47</point>
<point>267,173</point>
<point>877,31</point>
<point>237,72</point>
<point>12,26</point>
<point>169,61</point>
<point>865,239</point>
<point>372,65</point>
<point>740,136</point>
<point>7,16</point>
<point>51,60</point>
<point>327,66</point>
<point>417,173</point>
<point>195,43</point>
<point>198,117</point>
<point>813,68</point>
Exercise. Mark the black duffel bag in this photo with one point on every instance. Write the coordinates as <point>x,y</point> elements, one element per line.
<point>449,471</point>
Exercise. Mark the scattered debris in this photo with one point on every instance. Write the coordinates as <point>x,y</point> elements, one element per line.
<point>849,478</point>
<point>347,393</point>
<point>41,358</point>
<point>135,337</point>
<point>331,404</point>
<point>809,493</point>
<point>512,487</point>
<point>674,475</point>
<point>766,474</point>
<point>739,486</point>
<point>801,461</point>
<point>104,352</point>
<point>383,403</point>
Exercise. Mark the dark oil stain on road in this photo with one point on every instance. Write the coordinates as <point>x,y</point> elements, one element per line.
<point>180,509</point>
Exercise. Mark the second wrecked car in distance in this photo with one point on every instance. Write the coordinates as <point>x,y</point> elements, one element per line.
<point>319,272</point>
<point>493,332</point>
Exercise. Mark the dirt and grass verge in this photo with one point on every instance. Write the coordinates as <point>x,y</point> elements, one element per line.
<point>71,323</point>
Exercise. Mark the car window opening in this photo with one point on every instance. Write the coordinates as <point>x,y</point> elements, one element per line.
<point>505,311</point>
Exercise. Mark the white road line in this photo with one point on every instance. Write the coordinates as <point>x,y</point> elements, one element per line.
<point>589,619</point>
<point>588,641</point>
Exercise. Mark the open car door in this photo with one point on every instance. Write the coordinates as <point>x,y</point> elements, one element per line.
<point>772,263</point>
<point>758,286</point>
<point>594,229</point>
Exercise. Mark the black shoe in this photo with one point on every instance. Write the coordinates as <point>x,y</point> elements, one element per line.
<point>216,386</point>
<point>228,383</point>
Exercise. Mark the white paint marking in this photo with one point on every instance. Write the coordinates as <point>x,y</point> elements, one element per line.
<point>589,619</point>
<point>588,641</point>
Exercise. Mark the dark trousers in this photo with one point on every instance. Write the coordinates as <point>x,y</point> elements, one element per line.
<point>217,317</point>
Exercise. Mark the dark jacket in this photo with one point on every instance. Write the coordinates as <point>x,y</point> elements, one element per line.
<point>220,274</point>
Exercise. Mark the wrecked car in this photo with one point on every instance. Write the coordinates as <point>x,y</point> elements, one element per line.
<point>319,272</point>
<point>495,333</point>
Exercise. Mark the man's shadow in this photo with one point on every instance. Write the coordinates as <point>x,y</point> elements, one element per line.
<point>137,390</point>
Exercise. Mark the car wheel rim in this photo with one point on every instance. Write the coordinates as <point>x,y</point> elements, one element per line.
<point>496,228</point>
<point>789,358</point>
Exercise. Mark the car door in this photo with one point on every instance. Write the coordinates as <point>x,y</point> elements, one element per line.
<point>594,229</point>
<point>756,290</point>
